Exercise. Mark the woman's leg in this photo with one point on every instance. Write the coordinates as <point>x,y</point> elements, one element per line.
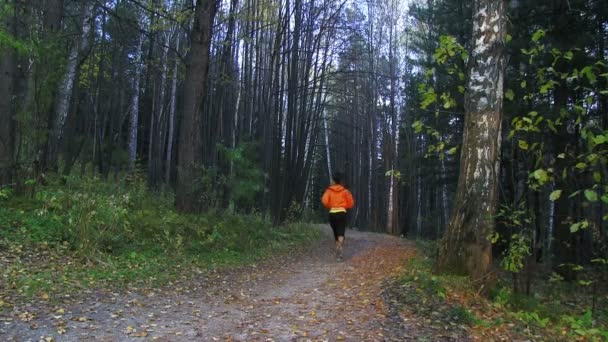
<point>340,230</point>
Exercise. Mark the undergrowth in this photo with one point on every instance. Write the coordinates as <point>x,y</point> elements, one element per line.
<point>556,311</point>
<point>83,232</point>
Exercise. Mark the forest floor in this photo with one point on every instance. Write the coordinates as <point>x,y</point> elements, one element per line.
<point>305,295</point>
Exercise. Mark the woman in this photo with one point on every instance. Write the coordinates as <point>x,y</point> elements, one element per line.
<point>338,200</point>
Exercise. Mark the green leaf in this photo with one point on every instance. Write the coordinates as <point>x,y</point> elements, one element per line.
<point>509,94</point>
<point>541,175</point>
<point>581,165</point>
<point>555,195</point>
<point>452,150</point>
<point>597,176</point>
<point>591,195</point>
<point>599,139</point>
<point>523,83</point>
<point>523,145</point>
<point>588,72</point>
<point>575,227</point>
<point>568,55</point>
<point>538,35</point>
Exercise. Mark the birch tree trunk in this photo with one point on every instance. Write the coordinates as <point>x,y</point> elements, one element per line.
<point>190,157</point>
<point>392,224</point>
<point>52,23</point>
<point>134,107</point>
<point>465,247</point>
<point>327,153</point>
<point>66,85</point>
<point>172,108</point>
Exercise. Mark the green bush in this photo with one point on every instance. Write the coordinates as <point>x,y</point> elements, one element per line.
<point>124,233</point>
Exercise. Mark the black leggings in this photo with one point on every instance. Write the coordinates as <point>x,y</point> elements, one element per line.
<point>338,224</point>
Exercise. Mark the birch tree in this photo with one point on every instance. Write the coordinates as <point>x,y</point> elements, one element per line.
<point>66,85</point>
<point>134,107</point>
<point>465,247</point>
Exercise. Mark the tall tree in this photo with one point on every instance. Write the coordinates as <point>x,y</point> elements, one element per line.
<point>134,107</point>
<point>8,70</point>
<point>66,85</point>
<point>465,247</point>
<point>189,158</point>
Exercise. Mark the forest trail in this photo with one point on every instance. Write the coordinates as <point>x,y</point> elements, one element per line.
<point>304,296</point>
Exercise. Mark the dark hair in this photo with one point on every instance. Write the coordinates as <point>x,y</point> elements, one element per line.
<point>338,177</point>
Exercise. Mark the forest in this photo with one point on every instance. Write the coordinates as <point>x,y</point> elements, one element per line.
<point>139,138</point>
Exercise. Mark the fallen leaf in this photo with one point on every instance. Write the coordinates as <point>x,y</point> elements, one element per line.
<point>26,316</point>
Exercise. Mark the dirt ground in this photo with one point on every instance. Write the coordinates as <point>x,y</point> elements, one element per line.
<point>303,296</point>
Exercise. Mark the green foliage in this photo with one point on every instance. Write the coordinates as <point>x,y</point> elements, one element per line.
<point>7,39</point>
<point>531,318</point>
<point>450,59</point>
<point>583,326</point>
<point>517,237</point>
<point>246,178</point>
<point>461,314</point>
<point>120,232</point>
<point>514,256</point>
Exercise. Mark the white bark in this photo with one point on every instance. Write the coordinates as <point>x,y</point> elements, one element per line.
<point>134,107</point>
<point>172,108</point>
<point>327,143</point>
<point>66,85</point>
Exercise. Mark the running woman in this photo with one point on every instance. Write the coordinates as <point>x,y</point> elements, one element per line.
<point>338,200</point>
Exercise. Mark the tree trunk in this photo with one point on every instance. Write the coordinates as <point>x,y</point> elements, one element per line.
<point>190,158</point>
<point>8,66</point>
<point>172,108</point>
<point>134,107</point>
<point>465,247</point>
<point>52,19</point>
<point>66,85</point>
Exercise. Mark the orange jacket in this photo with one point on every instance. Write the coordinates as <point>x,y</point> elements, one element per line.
<point>337,196</point>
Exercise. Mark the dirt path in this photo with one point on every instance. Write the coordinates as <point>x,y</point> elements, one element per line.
<point>308,297</point>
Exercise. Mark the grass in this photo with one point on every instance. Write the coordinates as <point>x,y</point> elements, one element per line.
<point>556,311</point>
<point>80,233</point>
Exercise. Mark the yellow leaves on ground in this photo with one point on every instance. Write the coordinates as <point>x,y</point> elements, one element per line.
<point>131,331</point>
